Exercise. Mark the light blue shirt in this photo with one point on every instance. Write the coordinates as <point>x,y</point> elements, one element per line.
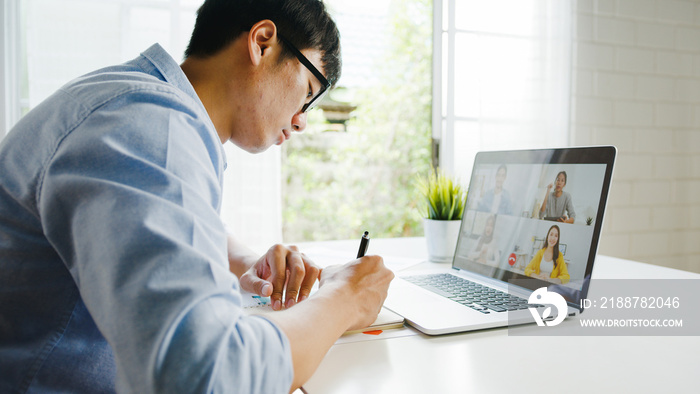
<point>486,203</point>
<point>558,206</point>
<point>113,262</point>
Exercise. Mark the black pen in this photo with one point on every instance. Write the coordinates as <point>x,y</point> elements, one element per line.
<point>364,244</point>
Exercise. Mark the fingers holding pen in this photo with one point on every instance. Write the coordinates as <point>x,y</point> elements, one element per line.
<point>365,281</point>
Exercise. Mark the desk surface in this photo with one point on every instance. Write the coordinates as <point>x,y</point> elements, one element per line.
<point>491,361</point>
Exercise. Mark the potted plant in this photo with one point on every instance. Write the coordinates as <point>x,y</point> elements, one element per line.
<point>444,205</point>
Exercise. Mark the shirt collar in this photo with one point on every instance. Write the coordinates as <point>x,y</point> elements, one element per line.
<point>157,61</point>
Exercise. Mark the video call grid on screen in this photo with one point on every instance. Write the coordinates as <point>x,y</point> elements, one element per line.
<point>503,231</point>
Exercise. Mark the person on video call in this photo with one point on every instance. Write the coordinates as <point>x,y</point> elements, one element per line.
<point>548,263</point>
<point>497,200</point>
<point>116,272</point>
<point>558,204</point>
<point>486,250</point>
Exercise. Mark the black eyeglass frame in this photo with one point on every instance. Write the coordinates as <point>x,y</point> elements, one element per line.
<point>325,85</point>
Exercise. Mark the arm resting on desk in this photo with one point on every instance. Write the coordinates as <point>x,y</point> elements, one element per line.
<point>349,297</point>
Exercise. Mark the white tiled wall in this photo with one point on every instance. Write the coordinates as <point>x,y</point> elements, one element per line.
<point>637,86</point>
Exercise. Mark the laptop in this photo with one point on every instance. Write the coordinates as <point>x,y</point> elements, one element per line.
<point>521,231</point>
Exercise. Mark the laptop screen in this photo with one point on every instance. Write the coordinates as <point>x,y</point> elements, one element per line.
<point>536,216</point>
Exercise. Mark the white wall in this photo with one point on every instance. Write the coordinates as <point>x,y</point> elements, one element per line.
<point>637,73</point>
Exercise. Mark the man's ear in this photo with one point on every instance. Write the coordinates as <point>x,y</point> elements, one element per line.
<point>261,37</point>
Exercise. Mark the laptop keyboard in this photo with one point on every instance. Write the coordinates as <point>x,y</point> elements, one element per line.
<point>474,295</point>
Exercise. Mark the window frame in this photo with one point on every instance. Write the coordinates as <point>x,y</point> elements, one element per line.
<point>9,67</point>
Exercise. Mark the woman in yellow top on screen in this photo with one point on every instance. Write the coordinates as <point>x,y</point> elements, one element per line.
<point>548,264</point>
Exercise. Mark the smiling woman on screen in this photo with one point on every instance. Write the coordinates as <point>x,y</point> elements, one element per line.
<point>548,264</point>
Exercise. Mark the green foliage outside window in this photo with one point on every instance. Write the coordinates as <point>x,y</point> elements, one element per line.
<point>338,184</point>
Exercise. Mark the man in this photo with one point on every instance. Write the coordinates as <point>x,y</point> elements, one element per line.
<point>115,269</point>
<point>497,200</point>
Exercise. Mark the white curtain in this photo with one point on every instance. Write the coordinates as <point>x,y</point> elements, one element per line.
<point>60,40</point>
<point>502,77</point>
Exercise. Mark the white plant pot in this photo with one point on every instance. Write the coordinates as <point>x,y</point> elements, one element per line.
<point>441,236</point>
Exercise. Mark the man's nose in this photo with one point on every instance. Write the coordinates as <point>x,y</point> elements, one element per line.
<point>299,122</point>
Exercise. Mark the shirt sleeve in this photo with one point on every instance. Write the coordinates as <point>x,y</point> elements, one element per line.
<point>505,208</point>
<point>562,271</point>
<point>544,212</point>
<point>570,206</point>
<point>534,265</point>
<point>130,202</point>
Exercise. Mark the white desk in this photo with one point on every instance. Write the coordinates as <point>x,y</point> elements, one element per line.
<point>490,361</point>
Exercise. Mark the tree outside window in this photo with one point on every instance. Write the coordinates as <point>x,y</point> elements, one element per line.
<point>341,179</point>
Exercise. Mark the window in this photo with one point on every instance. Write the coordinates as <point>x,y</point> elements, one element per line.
<point>499,79</point>
<point>344,176</point>
<point>503,77</point>
<point>50,42</point>
<point>64,39</point>
<point>470,74</point>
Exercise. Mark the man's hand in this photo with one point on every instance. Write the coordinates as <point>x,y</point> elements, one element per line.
<point>282,266</point>
<point>365,282</point>
<point>349,297</point>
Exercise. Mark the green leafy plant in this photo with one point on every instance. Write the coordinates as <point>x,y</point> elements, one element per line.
<point>445,197</point>
<point>589,221</point>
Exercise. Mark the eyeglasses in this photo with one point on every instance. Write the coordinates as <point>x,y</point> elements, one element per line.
<point>325,85</point>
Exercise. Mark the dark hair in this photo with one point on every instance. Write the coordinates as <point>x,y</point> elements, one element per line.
<point>561,173</point>
<point>305,23</point>
<point>555,251</point>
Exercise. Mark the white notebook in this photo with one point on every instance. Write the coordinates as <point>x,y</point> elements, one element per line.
<point>257,305</point>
